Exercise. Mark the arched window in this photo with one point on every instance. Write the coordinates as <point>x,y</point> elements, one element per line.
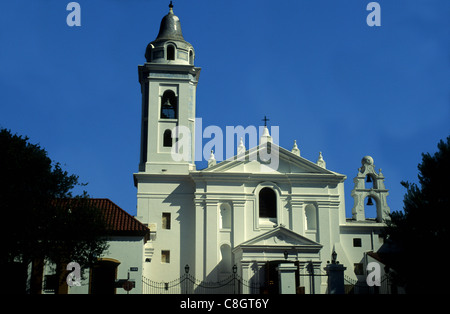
<point>167,138</point>
<point>103,277</point>
<point>191,57</point>
<point>148,53</point>
<point>170,52</point>
<point>169,105</point>
<point>267,203</point>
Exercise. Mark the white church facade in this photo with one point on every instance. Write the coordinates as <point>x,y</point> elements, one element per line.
<point>240,215</point>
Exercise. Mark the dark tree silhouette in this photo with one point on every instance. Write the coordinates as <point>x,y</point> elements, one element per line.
<point>35,226</point>
<point>420,234</point>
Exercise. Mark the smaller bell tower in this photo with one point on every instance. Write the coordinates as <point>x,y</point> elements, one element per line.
<point>369,190</point>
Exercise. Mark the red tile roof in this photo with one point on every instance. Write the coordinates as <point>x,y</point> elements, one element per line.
<point>118,221</point>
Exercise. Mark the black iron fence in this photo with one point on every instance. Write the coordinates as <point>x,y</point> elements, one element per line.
<point>188,284</point>
<point>306,282</point>
<point>235,284</point>
<point>353,286</point>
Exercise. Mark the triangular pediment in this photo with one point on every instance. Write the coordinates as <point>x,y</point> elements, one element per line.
<point>280,160</point>
<point>281,237</point>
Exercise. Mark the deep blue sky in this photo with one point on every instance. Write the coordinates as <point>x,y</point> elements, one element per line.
<point>315,68</point>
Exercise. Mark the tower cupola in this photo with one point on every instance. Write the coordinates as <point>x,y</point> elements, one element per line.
<point>169,47</point>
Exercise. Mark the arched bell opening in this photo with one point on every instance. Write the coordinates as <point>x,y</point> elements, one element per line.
<point>371,208</point>
<point>370,182</point>
<point>169,105</point>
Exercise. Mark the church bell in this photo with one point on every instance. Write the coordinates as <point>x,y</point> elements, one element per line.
<point>369,179</point>
<point>369,201</point>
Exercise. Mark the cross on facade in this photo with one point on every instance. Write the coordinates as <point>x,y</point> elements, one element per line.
<point>265,120</point>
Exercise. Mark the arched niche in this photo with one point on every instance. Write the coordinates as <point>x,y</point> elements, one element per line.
<point>225,216</point>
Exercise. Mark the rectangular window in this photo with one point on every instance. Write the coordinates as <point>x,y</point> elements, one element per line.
<point>357,242</point>
<point>165,257</point>
<point>166,221</point>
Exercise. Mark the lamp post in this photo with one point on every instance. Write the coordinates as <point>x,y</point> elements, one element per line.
<point>310,268</point>
<point>234,278</point>
<point>333,257</point>
<point>186,270</point>
<point>335,272</point>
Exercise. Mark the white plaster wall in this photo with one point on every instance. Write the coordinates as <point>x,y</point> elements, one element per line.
<point>126,250</point>
<point>172,195</point>
<point>370,241</point>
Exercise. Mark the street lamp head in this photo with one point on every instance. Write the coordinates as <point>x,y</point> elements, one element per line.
<point>333,257</point>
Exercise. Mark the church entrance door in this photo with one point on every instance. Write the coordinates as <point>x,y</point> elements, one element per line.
<point>272,277</point>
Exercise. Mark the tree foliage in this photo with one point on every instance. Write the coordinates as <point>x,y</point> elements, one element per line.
<point>35,225</point>
<point>421,232</point>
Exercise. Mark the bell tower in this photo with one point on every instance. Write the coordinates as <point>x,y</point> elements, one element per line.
<point>168,85</point>
<point>369,190</point>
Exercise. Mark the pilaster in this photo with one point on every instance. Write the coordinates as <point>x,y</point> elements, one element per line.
<point>198,268</point>
<point>297,216</point>
<point>239,222</point>
<point>211,251</point>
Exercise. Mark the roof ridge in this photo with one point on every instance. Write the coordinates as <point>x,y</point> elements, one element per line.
<point>116,218</point>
